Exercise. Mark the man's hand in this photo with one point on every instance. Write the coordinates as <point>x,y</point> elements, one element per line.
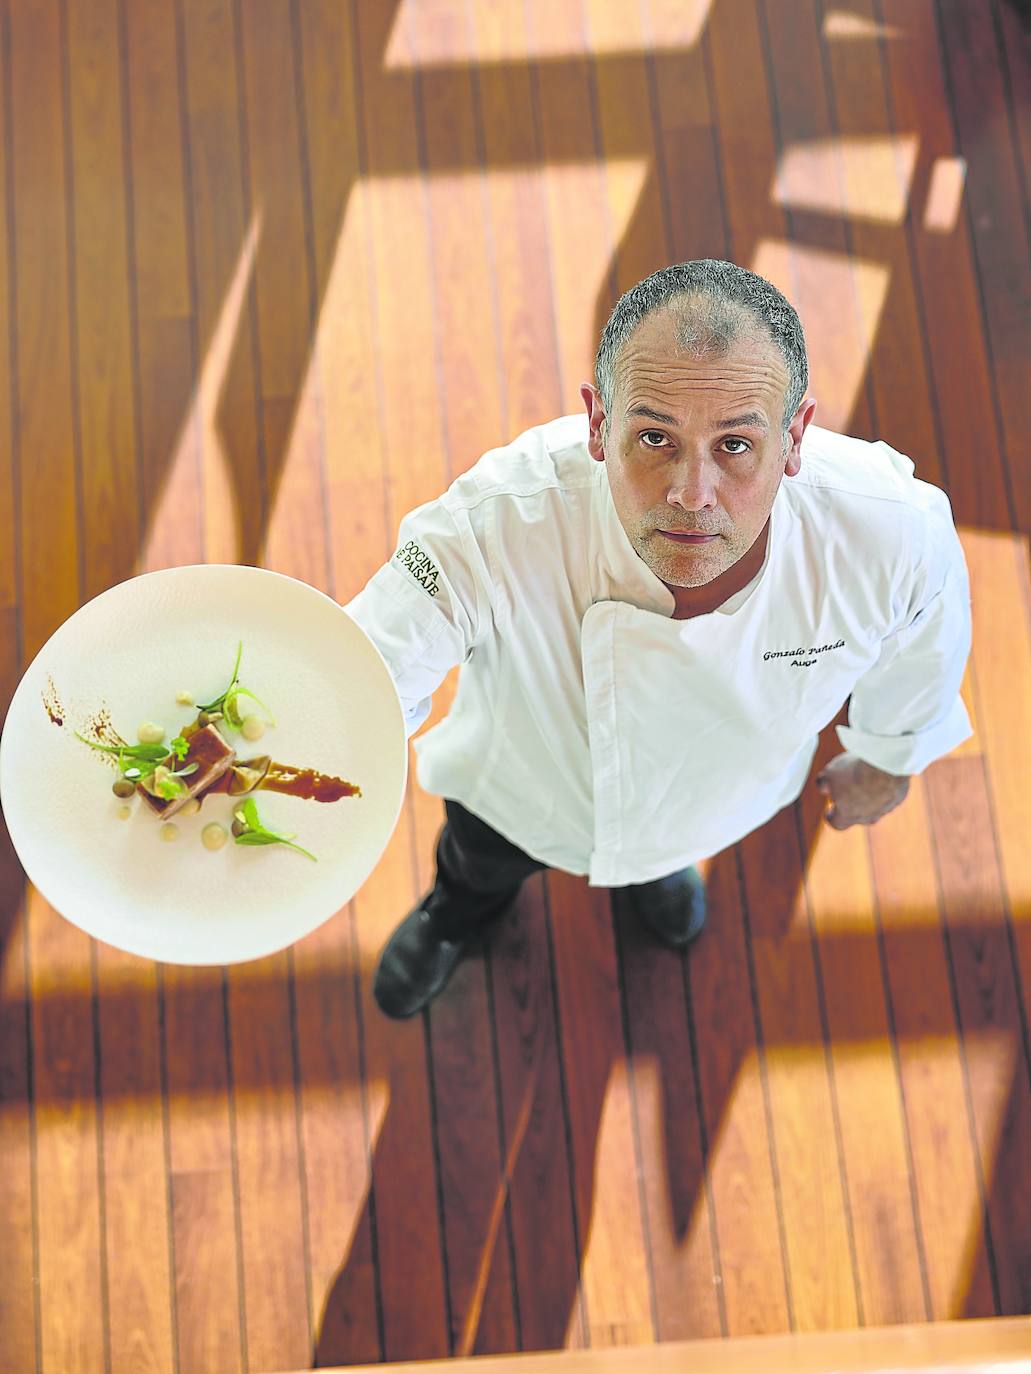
<point>860,793</point>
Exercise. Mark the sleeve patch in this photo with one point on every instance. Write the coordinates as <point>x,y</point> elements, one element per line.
<point>420,565</point>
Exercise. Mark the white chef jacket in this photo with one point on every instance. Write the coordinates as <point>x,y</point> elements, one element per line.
<point>605,738</point>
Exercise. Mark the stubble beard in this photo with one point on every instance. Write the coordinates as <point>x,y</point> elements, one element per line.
<point>695,567</point>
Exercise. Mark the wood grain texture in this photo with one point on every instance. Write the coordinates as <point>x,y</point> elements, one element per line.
<point>273,275</point>
<point>19,1258</point>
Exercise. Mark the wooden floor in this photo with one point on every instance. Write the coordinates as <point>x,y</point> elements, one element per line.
<point>273,274</point>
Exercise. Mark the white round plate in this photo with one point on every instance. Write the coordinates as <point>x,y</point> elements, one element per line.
<point>132,649</point>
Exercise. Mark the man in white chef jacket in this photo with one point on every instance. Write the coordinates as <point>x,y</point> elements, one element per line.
<point>654,626</point>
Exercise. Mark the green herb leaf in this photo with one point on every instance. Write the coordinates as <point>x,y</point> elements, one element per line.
<point>155,752</point>
<point>252,837</point>
<point>170,788</point>
<point>257,833</point>
<point>180,747</point>
<point>232,713</point>
<point>216,704</point>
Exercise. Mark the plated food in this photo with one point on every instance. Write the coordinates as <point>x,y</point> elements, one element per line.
<point>174,777</point>
<point>152,652</point>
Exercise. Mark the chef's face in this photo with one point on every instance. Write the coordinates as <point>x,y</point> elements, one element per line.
<point>713,464</point>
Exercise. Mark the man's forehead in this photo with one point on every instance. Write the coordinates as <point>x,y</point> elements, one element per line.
<point>750,375</point>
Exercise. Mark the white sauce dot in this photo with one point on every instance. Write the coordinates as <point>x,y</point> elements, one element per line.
<point>213,836</point>
<point>184,698</point>
<point>124,811</point>
<point>149,733</point>
<point>169,831</point>
<point>253,727</point>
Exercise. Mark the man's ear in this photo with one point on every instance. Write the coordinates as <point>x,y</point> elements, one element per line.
<point>798,426</point>
<point>596,417</point>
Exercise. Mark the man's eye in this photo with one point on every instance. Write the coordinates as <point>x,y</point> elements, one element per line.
<point>645,433</point>
<point>743,449</point>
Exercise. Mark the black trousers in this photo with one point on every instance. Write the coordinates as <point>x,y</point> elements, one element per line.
<point>479,873</point>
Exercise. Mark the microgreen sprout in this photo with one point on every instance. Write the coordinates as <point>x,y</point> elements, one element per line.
<point>139,761</point>
<point>216,705</point>
<point>147,752</point>
<point>255,832</point>
<point>227,702</point>
<point>169,786</point>
<point>231,712</point>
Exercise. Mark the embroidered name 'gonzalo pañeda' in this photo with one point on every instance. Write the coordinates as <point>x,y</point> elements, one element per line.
<point>798,656</point>
<point>420,565</point>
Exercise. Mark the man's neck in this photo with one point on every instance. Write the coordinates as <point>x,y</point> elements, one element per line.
<point>692,601</point>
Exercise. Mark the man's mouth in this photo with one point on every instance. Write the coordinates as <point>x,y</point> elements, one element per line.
<point>687,538</point>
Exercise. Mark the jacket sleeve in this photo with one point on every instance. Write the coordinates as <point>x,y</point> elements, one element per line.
<point>428,606</point>
<point>906,710</point>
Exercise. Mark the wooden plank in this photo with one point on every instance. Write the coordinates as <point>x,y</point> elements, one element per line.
<point>340,1121</point>
<point>614,1267</point>
<point>988,999</point>
<point>225,238</point>
<point>685,1264</point>
<point>774,143</point>
<point>462,334</point>
<point>537,1161</point>
<point>575,186</point>
<point>804,1105</point>
<point>999,225</point>
<point>360,532</point>
<point>535,1143</point>
<point>72,1298</point>
<point>866,1084</point>
<point>941,248</point>
<point>1000,584</point>
<point>137,1213</point>
<point>685,136</point>
<point>19,1263</point>
<point>103,337</point>
<point>408,1220</point>
<point>340,1128</point>
<point>1015,60</point>
<point>530,391</point>
<point>268,1166</point>
<point>284,294</point>
<point>166,363</point>
<point>205,1203</point>
<point>684,1267</point>
<point>938,1348</point>
<point>49,546</point>
<point>872,169</point>
<point>754,1290</point>
<point>276,1263</point>
<point>625,131</point>
<point>949,1201</point>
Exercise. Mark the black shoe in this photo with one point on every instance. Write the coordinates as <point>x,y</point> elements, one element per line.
<point>415,965</point>
<point>673,908</point>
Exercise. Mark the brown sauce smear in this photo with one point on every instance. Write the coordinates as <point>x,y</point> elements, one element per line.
<point>307,783</point>
<point>52,703</point>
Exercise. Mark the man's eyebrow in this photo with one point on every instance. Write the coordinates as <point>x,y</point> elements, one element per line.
<point>649,414</point>
<point>753,419</point>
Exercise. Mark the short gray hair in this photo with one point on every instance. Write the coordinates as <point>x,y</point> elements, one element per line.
<point>707,297</point>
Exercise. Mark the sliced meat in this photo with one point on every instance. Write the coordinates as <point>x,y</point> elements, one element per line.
<point>213,757</point>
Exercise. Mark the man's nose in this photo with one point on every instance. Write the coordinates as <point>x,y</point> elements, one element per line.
<point>693,486</point>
